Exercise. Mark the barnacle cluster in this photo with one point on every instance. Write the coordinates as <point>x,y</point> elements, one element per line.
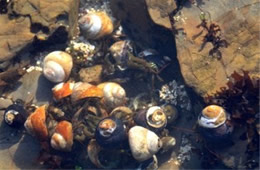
<point>175,94</point>
<point>82,52</point>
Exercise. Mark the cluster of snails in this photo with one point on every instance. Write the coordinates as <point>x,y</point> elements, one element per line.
<point>138,129</point>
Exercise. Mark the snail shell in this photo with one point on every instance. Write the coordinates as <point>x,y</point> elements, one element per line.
<point>214,126</point>
<point>62,139</point>
<point>152,118</point>
<point>95,25</point>
<point>119,51</point>
<point>57,66</point>
<point>110,132</point>
<point>114,94</point>
<point>15,115</point>
<point>62,90</point>
<point>212,116</point>
<point>171,113</point>
<point>143,143</point>
<point>83,90</point>
<point>36,123</point>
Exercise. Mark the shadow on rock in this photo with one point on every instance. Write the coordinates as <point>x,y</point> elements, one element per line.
<point>25,154</point>
<point>43,92</point>
<point>8,136</point>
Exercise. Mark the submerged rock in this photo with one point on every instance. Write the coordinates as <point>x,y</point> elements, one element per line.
<point>239,24</point>
<point>26,19</point>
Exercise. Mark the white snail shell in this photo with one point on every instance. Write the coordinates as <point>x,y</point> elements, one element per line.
<point>57,66</point>
<point>143,143</point>
<point>95,25</point>
<point>62,139</point>
<point>212,116</point>
<point>156,117</point>
<point>114,94</point>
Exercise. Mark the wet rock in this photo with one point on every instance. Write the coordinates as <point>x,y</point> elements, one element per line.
<point>91,74</point>
<point>159,11</point>
<point>137,23</point>
<point>4,103</point>
<point>29,18</point>
<point>15,36</point>
<point>33,86</point>
<point>239,24</point>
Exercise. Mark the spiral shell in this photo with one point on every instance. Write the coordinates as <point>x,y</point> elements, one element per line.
<point>119,51</point>
<point>114,94</point>
<point>95,25</point>
<point>62,90</point>
<point>62,139</point>
<point>110,132</point>
<point>83,90</point>
<point>143,143</point>
<point>15,115</point>
<point>156,117</point>
<point>36,123</point>
<point>152,118</point>
<point>57,66</point>
<point>212,116</point>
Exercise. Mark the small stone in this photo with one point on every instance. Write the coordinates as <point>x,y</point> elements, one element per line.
<point>91,74</point>
<point>4,103</point>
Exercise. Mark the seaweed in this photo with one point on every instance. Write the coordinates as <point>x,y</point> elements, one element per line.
<point>241,99</point>
<point>212,36</point>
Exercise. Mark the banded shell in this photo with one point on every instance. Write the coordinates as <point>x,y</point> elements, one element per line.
<point>95,25</point>
<point>57,66</point>
<point>83,90</point>
<point>62,139</point>
<point>36,123</point>
<point>143,143</point>
<point>62,90</point>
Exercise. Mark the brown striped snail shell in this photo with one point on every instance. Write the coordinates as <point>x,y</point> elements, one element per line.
<point>57,66</point>
<point>95,25</point>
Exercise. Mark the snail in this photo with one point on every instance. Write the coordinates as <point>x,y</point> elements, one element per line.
<point>57,66</point>
<point>62,139</point>
<point>36,123</point>
<point>214,124</point>
<point>171,113</point>
<point>119,51</point>
<point>168,142</point>
<point>62,90</point>
<point>15,115</point>
<point>83,90</point>
<point>143,143</point>
<point>152,118</point>
<point>95,25</point>
<point>110,132</point>
<point>123,113</point>
<point>114,94</point>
